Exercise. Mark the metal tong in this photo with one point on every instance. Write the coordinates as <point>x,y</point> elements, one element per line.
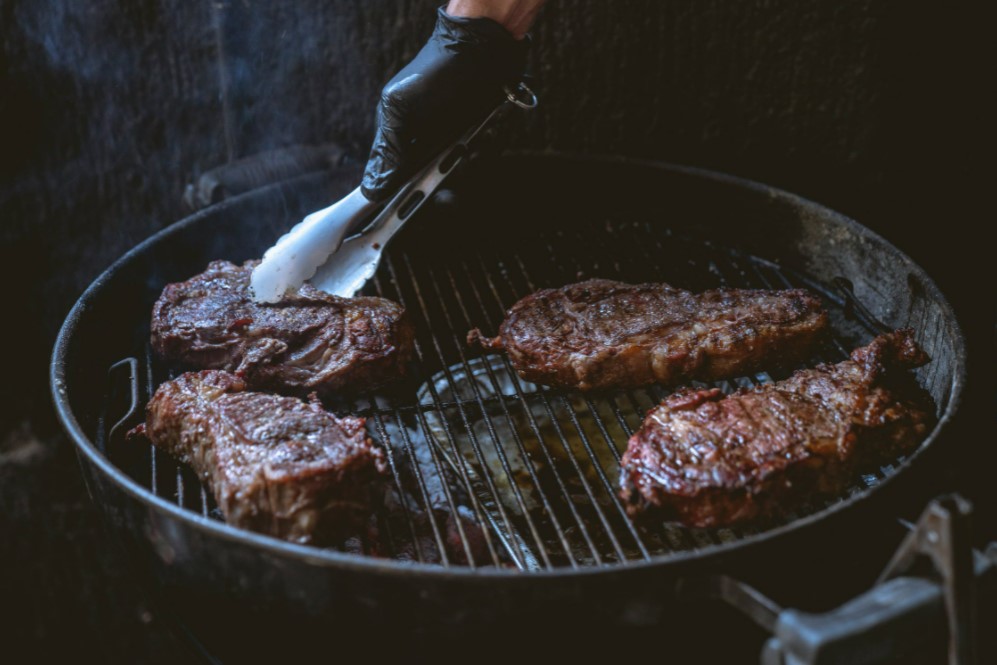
<point>337,249</point>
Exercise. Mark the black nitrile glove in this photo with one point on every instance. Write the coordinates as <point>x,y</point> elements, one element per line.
<point>453,82</point>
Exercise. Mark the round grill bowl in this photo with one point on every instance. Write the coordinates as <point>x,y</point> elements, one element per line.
<point>571,208</point>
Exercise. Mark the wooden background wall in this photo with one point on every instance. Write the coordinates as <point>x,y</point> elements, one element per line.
<point>109,107</point>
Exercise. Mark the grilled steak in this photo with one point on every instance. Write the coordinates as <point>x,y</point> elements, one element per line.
<point>309,341</point>
<point>604,334</point>
<point>276,465</point>
<point>709,460</point>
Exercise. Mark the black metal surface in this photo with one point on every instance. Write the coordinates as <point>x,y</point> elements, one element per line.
<point>652,221</point>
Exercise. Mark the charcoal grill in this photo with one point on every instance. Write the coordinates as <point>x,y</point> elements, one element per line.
<point>531,471</point>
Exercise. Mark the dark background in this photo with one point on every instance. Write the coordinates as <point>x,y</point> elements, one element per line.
<point>108,108</point>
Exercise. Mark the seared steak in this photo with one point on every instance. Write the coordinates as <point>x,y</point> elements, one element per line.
<point>709,460</point>
<point>604,334</point>
<point>276,465</point>
<point>309,341</point>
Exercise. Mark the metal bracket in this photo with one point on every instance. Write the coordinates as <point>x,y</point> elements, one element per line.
<point>900,612</point>
<point>943,534</point>
<point>133,405</point>
<point>745,598</point>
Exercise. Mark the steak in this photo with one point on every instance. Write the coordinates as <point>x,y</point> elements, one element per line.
<point>603,334</point>
<point>309,341</point>
<point>276,465</point>
<point>709,460</point>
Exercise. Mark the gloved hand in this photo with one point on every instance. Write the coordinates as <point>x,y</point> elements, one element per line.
<point>455,80</point>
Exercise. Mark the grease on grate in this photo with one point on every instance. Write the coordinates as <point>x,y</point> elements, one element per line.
<point>554,447</point>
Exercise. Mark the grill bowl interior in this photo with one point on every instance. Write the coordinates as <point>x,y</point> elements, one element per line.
<point>458,446</point>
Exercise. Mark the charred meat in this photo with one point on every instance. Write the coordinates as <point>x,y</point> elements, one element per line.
<point>709,460</point>
<point>309,341</point>
<point>603,334</point>
<point>276,465</point>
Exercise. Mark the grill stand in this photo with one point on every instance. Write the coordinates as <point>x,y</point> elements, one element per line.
<point>901,608</point>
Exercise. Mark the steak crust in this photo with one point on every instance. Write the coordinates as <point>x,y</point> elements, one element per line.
<point>603,334</point>
<point>309,341</point>
<point>708,460</point>
<point>276,465</point>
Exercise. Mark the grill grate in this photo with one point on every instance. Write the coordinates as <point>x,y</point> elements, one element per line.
<point>486,468</point>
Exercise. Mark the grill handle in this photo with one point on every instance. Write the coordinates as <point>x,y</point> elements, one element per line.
<point>899,613</point>
<point>873,628</point>
<point>264,168</point>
